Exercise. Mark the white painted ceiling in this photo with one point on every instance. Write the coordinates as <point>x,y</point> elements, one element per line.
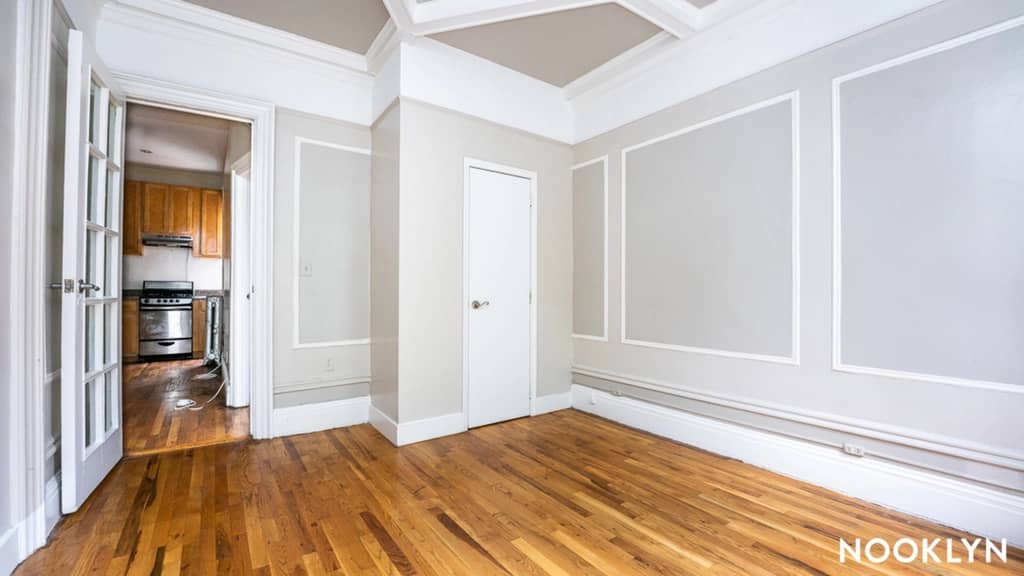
<point>175,139</point>
<point>557,47</point>
<point>348,24</point>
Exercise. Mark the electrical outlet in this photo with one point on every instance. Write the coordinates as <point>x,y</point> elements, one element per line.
<point>306,269</point>
<point>854,450</point>
<point>593,398</point>
<point>330,365</point>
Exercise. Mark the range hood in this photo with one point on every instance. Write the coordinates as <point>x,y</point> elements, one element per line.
<point>172,240</point>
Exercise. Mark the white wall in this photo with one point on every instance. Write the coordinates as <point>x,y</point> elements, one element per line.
<point>969,431</point>
<point>434,142</point>
<point>331,371</point>
<point>384,273</point>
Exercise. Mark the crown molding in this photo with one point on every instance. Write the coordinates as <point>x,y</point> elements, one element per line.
<point>200,17</point>
<point>383,45</point>
<point>621,64</point>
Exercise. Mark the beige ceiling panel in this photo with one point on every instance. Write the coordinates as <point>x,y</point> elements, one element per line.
<point>348,24</point>
<point>558,47</point>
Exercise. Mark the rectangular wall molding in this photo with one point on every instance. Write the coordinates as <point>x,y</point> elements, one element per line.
<point>838,363</point>
<point>794,358</point>
<point>936,497</point>
<point>603,161</point>
<point>306,418</point>
<point>297,342</point>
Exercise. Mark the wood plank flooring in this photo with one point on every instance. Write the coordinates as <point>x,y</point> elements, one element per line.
<point>559,494</point>
<point>151,422</point>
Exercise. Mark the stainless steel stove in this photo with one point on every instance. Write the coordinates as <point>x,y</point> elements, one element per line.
<point>165,319</point>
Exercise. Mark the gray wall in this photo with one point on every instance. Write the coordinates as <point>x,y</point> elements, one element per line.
<point>588,249</point>
<point>385,187</point>
<point>8,66</point>
<point>434,144</point>
<point>316,374</point>
<point>931,242</point>
<point>709,238</point>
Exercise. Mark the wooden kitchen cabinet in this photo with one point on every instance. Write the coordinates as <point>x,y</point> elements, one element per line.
<point>155,200</point>
<point>179,210</point>
<point>131,226</point>
<point>211,229</point>
<point>198,327</point>
<point>153,208</point>
<point>130,328</point>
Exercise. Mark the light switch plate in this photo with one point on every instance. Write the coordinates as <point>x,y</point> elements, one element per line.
<point>306,270</point>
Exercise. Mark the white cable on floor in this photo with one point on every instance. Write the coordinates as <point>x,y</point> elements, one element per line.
<point>191,404</point>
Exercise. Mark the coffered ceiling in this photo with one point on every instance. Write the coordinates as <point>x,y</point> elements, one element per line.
<point>556,41</point>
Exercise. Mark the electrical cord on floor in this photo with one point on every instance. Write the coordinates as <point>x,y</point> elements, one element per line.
<point>191,404</point>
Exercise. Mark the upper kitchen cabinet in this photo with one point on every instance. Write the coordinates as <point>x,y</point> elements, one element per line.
<point>211,229</point>
<point>179,210</point>
<point>132,226</point>
<point>155,201</point>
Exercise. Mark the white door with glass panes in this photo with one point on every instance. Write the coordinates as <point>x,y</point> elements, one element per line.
<point>91,440</point>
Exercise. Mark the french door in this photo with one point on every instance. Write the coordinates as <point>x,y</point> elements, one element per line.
<point>91,440</point>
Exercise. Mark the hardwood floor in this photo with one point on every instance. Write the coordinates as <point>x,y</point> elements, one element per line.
<point>564,493</point>
<point>151,422</point>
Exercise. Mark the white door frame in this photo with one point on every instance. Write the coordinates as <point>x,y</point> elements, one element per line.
<point>142,89</point>
<point>469,164</point>
<point>239,352</point>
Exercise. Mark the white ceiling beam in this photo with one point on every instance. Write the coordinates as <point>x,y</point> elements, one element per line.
<point>443,15</point>
<point>677,17</point>
<point>401,14</point>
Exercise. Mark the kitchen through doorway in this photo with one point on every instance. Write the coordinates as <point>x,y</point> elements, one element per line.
<point>177,275</point>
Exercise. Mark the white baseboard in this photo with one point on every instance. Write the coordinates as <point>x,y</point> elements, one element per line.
<point>417,430</point>
<point>943,499</point>
<point>10,549</point>
<point>384,424</point>
<point>428,428</point>
<point>551,403</point>
<point>51,503</point>
<point>307,418</point>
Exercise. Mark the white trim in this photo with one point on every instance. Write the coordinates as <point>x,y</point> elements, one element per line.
<point>608,71</point>
<point>604,335</point>
<point>931,442</point>
<point>306,418</point>
<point>794,359</point>
<point>318,384</point>
<point>551,403</point>
<point>837,217</point>
<point>296,252</point>
<point>261,114</point>
<point>937,497</point>
<point>239,28</point>
<point>430,428</point>
<point>417,430</point>
<point>25,367</point>
<point>383,45</point>
<point>468,164</point>
<point>384,424</point>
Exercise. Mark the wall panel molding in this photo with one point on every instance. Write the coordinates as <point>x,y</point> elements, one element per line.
<point>837,214</point>
<point>794,359</point>
<point>603,160</point>
<point>297,344</point>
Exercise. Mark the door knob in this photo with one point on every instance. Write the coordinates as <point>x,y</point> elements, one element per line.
<point>477,304</point>
<point>84,286</point>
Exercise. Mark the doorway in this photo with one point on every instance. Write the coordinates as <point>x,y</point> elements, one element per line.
<point>178,230</point>
<point>499,275</point>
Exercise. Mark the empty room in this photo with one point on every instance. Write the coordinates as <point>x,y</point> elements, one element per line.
<point>545,287</point>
